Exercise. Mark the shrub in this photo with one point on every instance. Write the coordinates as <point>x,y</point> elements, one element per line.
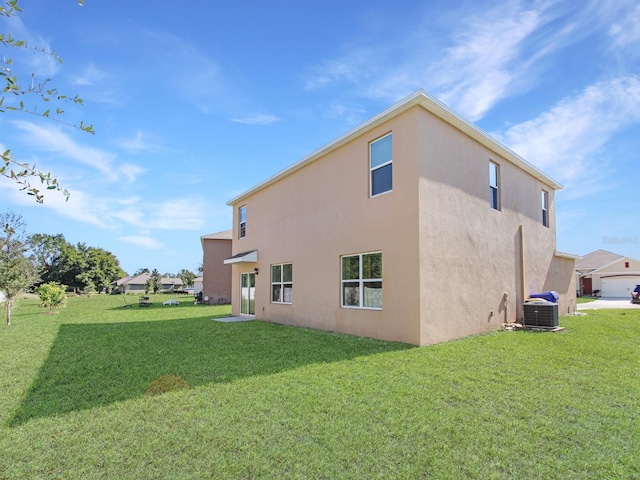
<point>52,295</point>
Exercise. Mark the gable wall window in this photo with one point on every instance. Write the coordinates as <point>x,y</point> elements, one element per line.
<point>545,208</point>
<point>381,165</point>
<point>282,283</point>
<point>362,280</point>
<point>242,221</point>
<point>494,186</point>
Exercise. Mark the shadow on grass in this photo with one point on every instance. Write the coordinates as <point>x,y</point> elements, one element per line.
<point>92,365</point>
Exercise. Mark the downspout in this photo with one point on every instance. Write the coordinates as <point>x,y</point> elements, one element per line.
<point>521,287</point>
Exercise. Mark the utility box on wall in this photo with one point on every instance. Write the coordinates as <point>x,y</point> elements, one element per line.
<point>541,314</point>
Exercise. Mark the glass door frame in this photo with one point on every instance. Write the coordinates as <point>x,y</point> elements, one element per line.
<point>248,293</point>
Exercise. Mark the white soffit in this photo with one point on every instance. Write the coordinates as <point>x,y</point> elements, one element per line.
<point>246,257</point>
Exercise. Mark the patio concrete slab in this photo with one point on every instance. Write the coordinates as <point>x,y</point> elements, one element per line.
<point>608,303</point>
<point>233,319</point>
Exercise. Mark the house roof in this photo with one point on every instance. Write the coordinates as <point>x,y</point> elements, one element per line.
<point>597,259</point>
<point>429,103</point>
<point>142,278</point>
<point>225,235</point>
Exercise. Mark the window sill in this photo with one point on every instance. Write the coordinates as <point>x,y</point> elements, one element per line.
<point>361,308</point>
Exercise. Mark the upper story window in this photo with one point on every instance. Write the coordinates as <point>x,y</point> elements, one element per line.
<point>362,280</point>
<point>282,283</point>
<point>545,208</point>
<point>242,221</point>
<point>494,185</point>
<point>381,165</point>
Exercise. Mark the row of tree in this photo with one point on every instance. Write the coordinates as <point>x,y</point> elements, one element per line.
<point>80,267</point>
<point>30,260</point>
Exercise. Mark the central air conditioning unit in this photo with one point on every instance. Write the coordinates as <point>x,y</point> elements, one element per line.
<point>541,314</point>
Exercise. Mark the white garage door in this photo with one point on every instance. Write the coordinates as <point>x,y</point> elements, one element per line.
<point>619,286</point>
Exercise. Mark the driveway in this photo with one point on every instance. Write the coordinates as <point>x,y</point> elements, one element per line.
<point>608,303</point>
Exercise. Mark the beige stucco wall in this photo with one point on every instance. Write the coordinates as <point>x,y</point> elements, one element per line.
<point>452,266</point>
<point>472,256</point>
<point>323,211</point>
<point>216,276</point>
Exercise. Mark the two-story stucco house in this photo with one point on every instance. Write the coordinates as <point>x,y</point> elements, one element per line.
<point>415,227</point>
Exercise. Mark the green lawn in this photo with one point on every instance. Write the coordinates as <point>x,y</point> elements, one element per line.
<point>586,299</point>
<point>266,401</point>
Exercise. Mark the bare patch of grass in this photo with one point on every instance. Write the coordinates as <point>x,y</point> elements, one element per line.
<point>167,383</point>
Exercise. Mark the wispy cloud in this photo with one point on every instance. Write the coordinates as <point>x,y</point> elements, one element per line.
<point>143,241</point>
<point>91,75</point>
<point>492,51</point>
<point>53,140</point>
<point>140,142</point>
<point>256,119</point>
<point>200,79</point>
<point>41,62</point>
<point>625,32</point>
<point>567,141</point>
<point>484,62</point>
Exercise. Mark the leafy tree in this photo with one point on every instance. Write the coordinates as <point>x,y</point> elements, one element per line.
<point>154,283</point>
<point>82,268</point>
<point>187,277</point>
<point>18,271</point>
<point>38,94</point>
<point>141,271</point>
<point>52,295</point>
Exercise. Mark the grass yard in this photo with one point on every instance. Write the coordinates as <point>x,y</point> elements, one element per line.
<point>257,400</point>
<point>586,299</point>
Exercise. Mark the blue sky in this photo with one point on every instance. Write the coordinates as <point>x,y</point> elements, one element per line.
<point>195,102</point>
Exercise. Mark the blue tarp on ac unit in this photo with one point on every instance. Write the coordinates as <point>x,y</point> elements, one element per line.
<point>548,296</point>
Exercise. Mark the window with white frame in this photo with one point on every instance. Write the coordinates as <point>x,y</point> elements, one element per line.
<point>282,283</point>
<point>381,165</point>
<point>362,280</point>
<point>242,221</point>
<point>494,186</point>
<point>545,208</point>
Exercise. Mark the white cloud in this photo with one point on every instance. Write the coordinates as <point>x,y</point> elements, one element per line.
<point>131,171</point>
<point>480,67</point>
<point>37,61</point>
<point>52,139</point>
<point>567,141</point>
<point>143,241</point>
<point>137,144</point>
<point>90,76</point>
<point>626,31</point>
<point>256,119</point>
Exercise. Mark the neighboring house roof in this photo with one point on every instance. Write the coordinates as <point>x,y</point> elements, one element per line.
<point>224,235</point>
<point>596,260</point>
<point>142,280</point>
<point>431,104</point>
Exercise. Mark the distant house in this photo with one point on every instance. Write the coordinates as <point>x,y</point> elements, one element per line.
<point>137,284</point>
<point>415,226</point>
<point>216,276</point>
<point>197,285</point>
<point>607,274</point>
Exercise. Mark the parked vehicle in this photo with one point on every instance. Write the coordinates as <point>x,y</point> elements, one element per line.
<point>635,295</point>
